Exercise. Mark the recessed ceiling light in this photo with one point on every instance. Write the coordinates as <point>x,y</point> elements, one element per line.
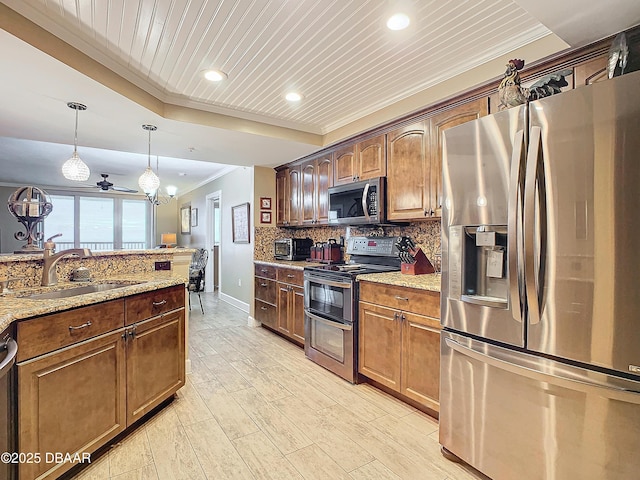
<point>182,174</point>
<point>215,75</point>
<point>398,21</point>
<point>293,97</point>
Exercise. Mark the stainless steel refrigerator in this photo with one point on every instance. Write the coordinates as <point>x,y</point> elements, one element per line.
<point>540,365</point>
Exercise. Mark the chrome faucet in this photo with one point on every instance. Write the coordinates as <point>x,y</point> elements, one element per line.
<point>49,273</point>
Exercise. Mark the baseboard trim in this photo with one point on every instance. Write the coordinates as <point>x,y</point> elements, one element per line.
<point>234,301</point>
<point>187,366</point>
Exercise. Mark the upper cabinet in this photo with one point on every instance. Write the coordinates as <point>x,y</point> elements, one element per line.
<point>316,178</point>
<point>360,161</point>
<point>414,166</point>
<point>408,172</point>
<point>288,193</point>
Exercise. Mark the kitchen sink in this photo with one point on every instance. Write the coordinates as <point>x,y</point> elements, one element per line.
<point>74,291</point>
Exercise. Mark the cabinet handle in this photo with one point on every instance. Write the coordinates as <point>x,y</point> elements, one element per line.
<point>404,299</point>
<point>263,284</point>
<point>290,276</point>
<point>402,317</point>
<point>263,308</point>
<point>431,213</point>
<point>263,270</point>
<point>426,213</point>
<point>395,316</point>
<point>157,304</point>
<point>79,327</point>
<point>132,333</point>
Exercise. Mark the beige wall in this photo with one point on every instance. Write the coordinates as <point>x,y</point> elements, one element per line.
<point>166,220</point>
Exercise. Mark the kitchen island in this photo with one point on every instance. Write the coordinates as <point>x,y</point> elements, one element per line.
<point>92,365</point>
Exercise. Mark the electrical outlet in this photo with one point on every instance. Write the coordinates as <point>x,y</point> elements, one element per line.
<point>239,282</point>
<point>163,265</point>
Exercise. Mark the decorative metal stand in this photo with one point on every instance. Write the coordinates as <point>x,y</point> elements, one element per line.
<point>30,205</point>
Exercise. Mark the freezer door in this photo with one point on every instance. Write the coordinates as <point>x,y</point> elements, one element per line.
<point>513,415</point>
<point>582,225</point>
<point>482,163</point>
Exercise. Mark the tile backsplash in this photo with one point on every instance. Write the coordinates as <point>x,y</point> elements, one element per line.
<point>425,235</point>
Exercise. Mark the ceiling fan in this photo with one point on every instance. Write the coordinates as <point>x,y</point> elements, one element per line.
<point>106,185</point>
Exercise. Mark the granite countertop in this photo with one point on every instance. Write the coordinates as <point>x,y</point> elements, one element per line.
<point>299,264</point>
<point>13,257</point>
<point>14,306</point>
<point>423,282</point>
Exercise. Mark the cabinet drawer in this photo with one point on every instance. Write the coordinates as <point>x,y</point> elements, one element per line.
<point>150,304</point>
<point>423,302</point>
<point>266,313</point>
<point>265,271</point>
<point>50,332</point>
<point>291,276</point>
<point>265,290</point>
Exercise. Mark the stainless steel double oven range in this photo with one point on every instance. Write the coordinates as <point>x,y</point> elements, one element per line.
<point>331,303</point>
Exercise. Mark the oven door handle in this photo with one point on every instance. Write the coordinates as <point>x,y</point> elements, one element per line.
<point>317,318</point>
<point>331,283</point>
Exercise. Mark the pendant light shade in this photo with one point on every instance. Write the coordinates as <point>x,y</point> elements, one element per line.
<point>75,168</point>
<point>149,181</point>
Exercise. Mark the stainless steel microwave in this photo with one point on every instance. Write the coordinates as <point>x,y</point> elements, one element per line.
<point>358,203</point>
<point>292,248</point>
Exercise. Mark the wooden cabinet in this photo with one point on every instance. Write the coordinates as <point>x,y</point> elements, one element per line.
<point>72,400</point>
<point>361,161</point>
<point>82,385</point>
<point>291,304</point>
<point>589,72</point>
<point>155,362</point>
<point>408,173</point>
<point>266,295</point>
<point>288,194</point>
<point>399,340</point>
<point>316,178</point>
<point>414,153</point>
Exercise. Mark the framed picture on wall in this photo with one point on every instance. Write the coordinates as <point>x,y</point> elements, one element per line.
<point>194,217</point>
<point>265,217</point>
<point>240,223</point>
<point>265,203</point>
<point>185,219</point>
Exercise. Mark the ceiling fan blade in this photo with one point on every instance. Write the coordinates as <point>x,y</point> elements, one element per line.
<point>123,189</point>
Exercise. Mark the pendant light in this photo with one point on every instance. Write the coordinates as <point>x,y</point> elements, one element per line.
<point>149,181</point>
<point>75,168</point>
<point>155,198</point>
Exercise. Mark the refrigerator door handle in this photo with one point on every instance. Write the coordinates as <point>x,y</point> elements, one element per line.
<point>515,192</point>
<point>533,285</point>
<point>573,378</point>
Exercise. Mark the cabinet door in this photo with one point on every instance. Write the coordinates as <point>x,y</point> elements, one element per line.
<point>590,72</point>
<point>344,168</point>
<point>72,400</point>
<point>295,194</point>
<point>283,309</point>
<point>297,313</point>
<point>380,344</point>
<point>155,362</point>
<point>421,359</point>
<point>308,192</point>
<point>266,313</point>
<point>439,123</point>
<point>408,174</point>
<point>324,178</point>
<point>371,158</point>
<point>282,197</point>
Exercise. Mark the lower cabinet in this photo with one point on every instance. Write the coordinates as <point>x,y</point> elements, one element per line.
<point>279,300</point>
<point>74,399</point>
<point>400,349</point>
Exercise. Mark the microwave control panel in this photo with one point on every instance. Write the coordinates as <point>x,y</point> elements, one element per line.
<point>372,201</point>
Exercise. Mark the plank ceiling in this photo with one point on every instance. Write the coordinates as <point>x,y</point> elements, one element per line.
<point>337,53</point>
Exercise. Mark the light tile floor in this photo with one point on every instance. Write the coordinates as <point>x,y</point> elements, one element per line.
<point>255,408</point>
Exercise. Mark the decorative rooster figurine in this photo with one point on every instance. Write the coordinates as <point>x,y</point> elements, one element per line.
<point>511,93</point>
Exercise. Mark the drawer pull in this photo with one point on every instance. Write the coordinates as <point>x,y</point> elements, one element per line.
<point>290,276</point>
<point>264,271</point>
<point>263,308</point>
<point>79,327</point>
<point>404,299</point>
<point>157,304</point>
<point>263,284</point>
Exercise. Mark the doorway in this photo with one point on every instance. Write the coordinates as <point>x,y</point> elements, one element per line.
<point>213,239</point>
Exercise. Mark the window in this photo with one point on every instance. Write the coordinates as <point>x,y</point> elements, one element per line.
<point>99,222</point>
